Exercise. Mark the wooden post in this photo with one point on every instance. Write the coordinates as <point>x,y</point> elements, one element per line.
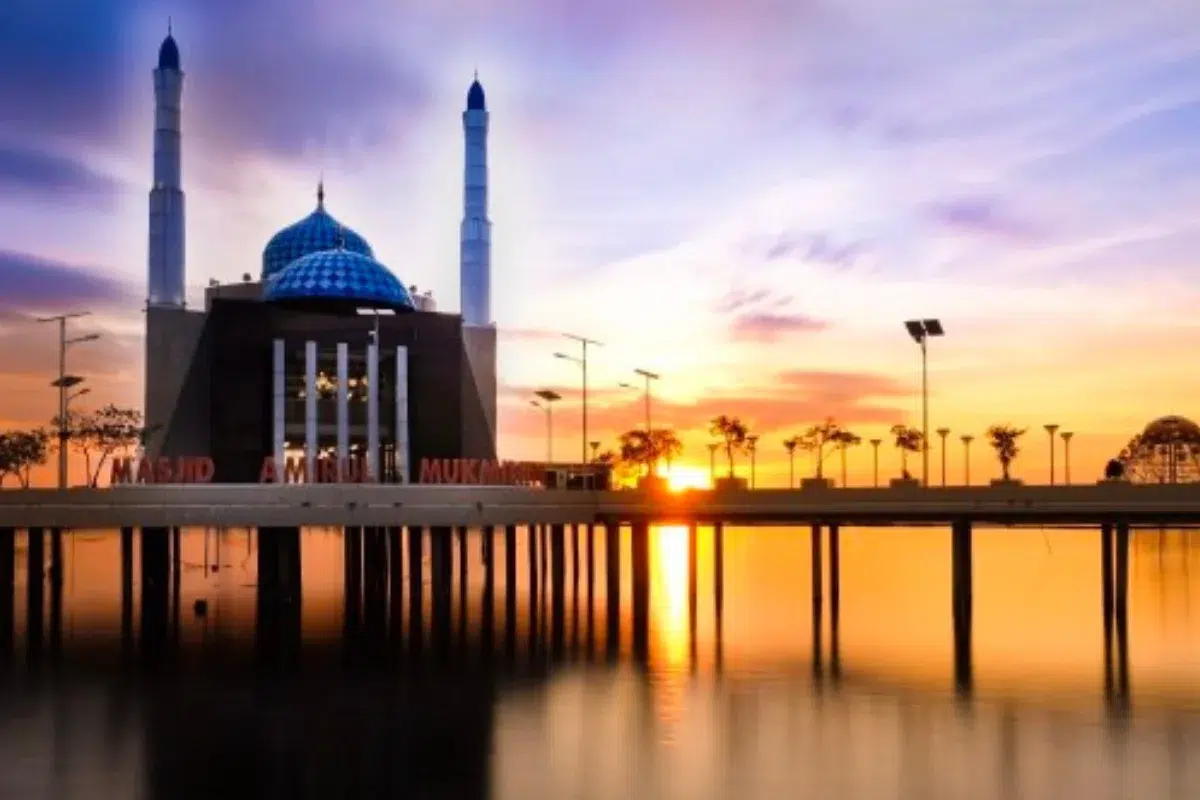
<point>719,592</point>
<point>127,590</point>
<point>533,534</point>
<point>352,555</point>
<point>558,587</point>
<point>591,586</point>
<point>395,548</point>
<point>835,599</point>
<point>8,570</point>
<point>155,588</point>
<point>693,546</point>
<point>56,590</point>
<point>961,598</point>
<point>416,588</point>
<point>510,589</point>
<point>574,537</point>
<point>1107,582</point>
<point>1121,608</point>
<point>442,578</point>
<point>612,576</point>
<point>818,568</point>
<point>640,559</point>
<point>487,624</point>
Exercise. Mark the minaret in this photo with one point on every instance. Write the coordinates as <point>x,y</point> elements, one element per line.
<point>475,253</point>
<point>166,278</point>
<point>475,267</point>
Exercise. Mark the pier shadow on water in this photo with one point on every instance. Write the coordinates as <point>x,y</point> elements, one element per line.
<point>561,661</point>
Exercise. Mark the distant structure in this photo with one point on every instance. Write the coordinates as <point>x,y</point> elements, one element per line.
<point>475,258</point>
<point>476,233</point>
<point>1166,451</point>
<point>327,354</point>
<point>166,256</point>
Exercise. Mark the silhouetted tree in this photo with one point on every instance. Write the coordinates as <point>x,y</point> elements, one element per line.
<point>790,445</point>
<point>637,449</point>
<point>732,432</point>
<point>103,434</point>
<point>1004,440</point>
<point>667,446</point>
<point>845,440</point>
<point>816,438</point>
<point>908,440</point>
<point>21,451</point>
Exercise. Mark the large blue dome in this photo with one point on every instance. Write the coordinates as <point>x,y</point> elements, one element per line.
<point>315,233</point>
<point>338,280</point>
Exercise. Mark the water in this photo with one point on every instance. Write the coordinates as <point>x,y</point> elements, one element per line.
<point>732,706</point>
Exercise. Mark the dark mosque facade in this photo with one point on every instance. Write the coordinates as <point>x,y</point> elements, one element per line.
<point>327,355</point>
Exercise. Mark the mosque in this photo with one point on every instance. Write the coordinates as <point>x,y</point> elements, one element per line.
<point>327,354</point>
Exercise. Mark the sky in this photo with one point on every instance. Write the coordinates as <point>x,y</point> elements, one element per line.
<point>748,198</point>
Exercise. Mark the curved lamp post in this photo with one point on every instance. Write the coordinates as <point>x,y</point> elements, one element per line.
<point>920,330</point>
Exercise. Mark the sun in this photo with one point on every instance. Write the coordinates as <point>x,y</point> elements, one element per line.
<point>682,476</point>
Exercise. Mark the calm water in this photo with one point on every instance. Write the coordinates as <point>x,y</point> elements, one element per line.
<point>730,707</point>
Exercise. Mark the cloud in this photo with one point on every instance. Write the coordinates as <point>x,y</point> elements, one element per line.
<point>981,216</point>
<point>49,176</point>
<point>738,299</point>
<point>763,327</point>
<point>39,285</point>
<point>529,335</point>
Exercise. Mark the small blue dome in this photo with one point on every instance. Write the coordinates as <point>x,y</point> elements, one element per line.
<point>338,279</point>
<point>168,54</point>
<point>315,233</point>
<point>475,99</point>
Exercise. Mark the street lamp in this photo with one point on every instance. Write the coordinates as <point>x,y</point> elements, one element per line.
<point>875,456</point>
<point>582,362</point>
<point>712,462</point>
<point>752,446</point>
<point>649,376</point>
<point>1051,430</point>
<point>548,399</point>
<point>595,450</point>
<point>64,383</point>
<point>943,432</point>
<point>966,440</point>
<point>920,330</point>
<point>1066,437</point>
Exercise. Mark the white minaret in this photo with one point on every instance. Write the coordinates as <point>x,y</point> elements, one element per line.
<point>475,253</point>
<point>166,279</point>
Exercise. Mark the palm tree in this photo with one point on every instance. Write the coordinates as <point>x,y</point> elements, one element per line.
<point>1003,439</point>
<point>637,449</point>
<point>667,446</point>
<point>790,445</point>
<point>845,440</point>
<point>908,440</point>
<point>817,437</point>
<point>732,431</point>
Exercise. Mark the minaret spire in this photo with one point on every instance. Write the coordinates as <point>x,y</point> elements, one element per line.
<point>321,191</point>
<point>475,253</point>
<point>166,265</point>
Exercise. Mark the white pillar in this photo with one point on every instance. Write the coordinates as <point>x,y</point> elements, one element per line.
<point>343,403</point>
<point>373,411</point>
<point>279,401</point>
<point>401,430</point>
<point>310,408</point>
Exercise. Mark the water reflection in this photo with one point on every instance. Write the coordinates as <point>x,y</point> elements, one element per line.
<point>343,683</point>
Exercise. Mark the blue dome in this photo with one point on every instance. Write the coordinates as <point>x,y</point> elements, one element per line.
<point>315,233</point>
<point>168,54</point>
<point>475,100</point>
<point>338,279</point>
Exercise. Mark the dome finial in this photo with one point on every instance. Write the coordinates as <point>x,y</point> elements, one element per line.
<point>169,31</point>
<point>321,191</point>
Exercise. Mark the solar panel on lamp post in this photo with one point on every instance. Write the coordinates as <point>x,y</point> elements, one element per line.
<point>649,376</point>
<point>920,330</point>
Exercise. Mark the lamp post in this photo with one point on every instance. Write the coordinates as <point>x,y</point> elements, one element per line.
<point>64,383</point>
<point>595,450</point>
<point>920,330</point>
<point>966,440</point>
<point>548,399</point>
<point>875,458</point>
<point>1051,430</point>
<point>1066,437</point>
<point>582,362</point>
<point>943,432</point>
<point>649,376</point>
<point>712,462</point>
<point>752,446</point>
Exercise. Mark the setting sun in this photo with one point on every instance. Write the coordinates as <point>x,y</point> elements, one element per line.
<point>681,476</point>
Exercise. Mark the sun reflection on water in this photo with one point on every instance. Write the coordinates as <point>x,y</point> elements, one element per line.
<point>669,654</point>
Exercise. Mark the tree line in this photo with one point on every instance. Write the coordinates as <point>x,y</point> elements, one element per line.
<point>641,451</point>
<point>99,436</point>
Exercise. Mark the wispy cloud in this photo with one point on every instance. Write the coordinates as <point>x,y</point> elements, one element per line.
<point>32,173</point>
<point>33,284</point>
<point>762,327</point>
